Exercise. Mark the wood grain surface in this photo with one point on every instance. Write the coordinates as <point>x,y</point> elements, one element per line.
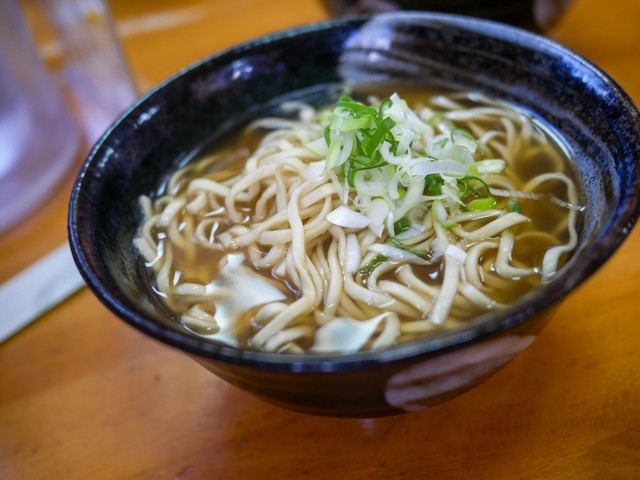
<point>84,396</point>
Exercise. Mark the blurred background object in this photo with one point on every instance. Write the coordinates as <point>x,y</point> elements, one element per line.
<point>54,97</point>
<point>537,15</point>
<point>94,68</point>
<point>38,138</point>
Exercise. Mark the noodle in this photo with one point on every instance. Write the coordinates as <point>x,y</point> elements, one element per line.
<point>309,248</point>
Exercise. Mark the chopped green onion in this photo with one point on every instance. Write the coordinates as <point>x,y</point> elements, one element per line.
<point>440,214</point>
<point>384,104</point>
<point>327,135</point>
<point>462,131</point>
<point>382,130</point>
<point>387,152</point>
<point>468,183</point>
<point>401,225</point>
<point>398,244</point>
<point>442,142</point>
<point>481,204</point>
<point>333,153</point>
<point>436,118</point>
<point>348,124</point>
<point>373,264</point>
<point>513,205</point>
<point>434,183</point>
<point>354,106</point>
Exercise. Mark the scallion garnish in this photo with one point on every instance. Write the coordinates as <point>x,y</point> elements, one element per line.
<point>433,183</point>
<point>462,131</point>
<point>475,185</point>
<point>398,244</point>
<point>372,265</point>
<point>436,118</point>
<point>513,205</point>
<point>388,153</point>
<point>481,204</point>
<point>401,225</point>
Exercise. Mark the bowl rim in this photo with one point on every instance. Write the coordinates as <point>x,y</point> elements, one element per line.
<point>486,325</point>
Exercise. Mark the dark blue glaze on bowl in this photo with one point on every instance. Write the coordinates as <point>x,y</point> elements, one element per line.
<point>217,95</point>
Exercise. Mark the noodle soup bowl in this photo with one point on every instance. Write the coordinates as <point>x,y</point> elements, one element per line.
<point>212,99</point>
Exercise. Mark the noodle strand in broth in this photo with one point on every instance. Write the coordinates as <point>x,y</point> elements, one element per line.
<point>362,226</point>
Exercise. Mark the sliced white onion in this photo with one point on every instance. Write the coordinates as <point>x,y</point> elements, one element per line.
<point>451,194</point>
<point>389,157</point>
<point>371,182</point>
<point>465,142</point>
<point>457,153</point>
<point>436,144</point>
<point>347,146</point>
<point>412,197</point>
<point>378,212</point>
<point>238,279</point>
<point>316,170</point>
<point>318,146</point>
<point>413,231</point>
<point>447,167</point>
<point>400,112</point>
<point>354,256</point>
<point>456,252</point>
<point>491,166</point>
<point>404,135</point>
<point>345,217</point>
<point>345,335</point>
<point>333,154</point>
<point>340,149</point>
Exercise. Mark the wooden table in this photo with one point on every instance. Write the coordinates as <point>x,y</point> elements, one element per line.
<point>84,396</point>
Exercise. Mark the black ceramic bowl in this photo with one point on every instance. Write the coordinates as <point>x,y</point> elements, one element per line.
<point>218,95</point>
